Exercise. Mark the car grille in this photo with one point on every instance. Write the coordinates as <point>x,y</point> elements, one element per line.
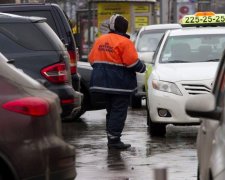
<point>194,89</point>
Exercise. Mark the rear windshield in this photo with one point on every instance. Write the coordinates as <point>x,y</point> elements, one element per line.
<point>149,40</point>
<point>32,36</point>
<point>64,33</point>
<point>43,13</point>
<point>16,75</point>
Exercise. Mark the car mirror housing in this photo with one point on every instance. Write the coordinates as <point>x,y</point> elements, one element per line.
<point>203,106</point>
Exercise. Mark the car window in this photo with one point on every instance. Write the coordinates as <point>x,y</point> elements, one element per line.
<point>51,36</point>
<point>148,41</point>
<point>14,74</point>
<point>66,37</point>
<point>43,13</point>
<point>25,35</point>
<point>157,49</point>
<point>193,48</point>
<point>10,45</point>
<point>133,36</point>
<point>29,36</point>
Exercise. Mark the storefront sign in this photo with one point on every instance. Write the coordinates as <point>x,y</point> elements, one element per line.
<point>105,10</point>
<point>141,9</point>
<point>141,21</point>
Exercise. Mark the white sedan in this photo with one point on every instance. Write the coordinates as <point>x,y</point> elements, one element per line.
<point>184,65</point>
<point>146,43</point>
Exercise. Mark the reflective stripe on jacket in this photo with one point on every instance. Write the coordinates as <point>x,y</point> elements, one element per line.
<point>115,62</point>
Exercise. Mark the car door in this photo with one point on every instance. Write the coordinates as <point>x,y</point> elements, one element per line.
<point>208,127</point>
<point>217,160</point>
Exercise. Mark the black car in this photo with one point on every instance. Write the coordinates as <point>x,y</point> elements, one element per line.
<point>31,143</point>
<point>32,46</point>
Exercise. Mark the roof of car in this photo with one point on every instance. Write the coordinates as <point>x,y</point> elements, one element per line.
<point>29,5</point>
<point>12,18</point>
<point>161,26</point>
<point>197,30</point>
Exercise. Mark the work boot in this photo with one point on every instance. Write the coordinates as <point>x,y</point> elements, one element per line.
<point>118,145</point>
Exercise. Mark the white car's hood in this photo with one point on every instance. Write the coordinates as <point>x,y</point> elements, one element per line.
<point>186,71</point>
<point>146,56</point>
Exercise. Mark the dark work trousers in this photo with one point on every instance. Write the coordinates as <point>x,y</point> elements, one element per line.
<point>116,107</point>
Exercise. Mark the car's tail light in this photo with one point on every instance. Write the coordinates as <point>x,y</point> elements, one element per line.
<point>73,64</point>
<point>55,73</point>
<point>32,106</point>
<point>67,101</point>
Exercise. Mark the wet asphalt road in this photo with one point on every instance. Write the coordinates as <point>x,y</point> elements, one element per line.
<point>176,151</point>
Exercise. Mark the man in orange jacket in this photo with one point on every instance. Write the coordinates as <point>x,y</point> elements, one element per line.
<point>115,62</point>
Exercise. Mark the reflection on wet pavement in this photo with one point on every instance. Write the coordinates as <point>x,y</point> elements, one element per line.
<point>176,151</point>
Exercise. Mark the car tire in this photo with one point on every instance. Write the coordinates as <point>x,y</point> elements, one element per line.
<point>155,129</point>
<point>210,175</point>
<point>5,172</point>
<point>136,102</point>
<point>148,115</point>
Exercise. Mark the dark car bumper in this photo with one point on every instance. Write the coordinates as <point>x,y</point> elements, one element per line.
<point>52,159</point>
<point>49,157</point>
<point>68,109</point>
<point>69,98</point>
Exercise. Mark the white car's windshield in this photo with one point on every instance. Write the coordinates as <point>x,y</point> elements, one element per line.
<point>193,48</point>
<point>148,41</point>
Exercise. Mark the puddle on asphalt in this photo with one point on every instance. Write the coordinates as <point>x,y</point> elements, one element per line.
<point>176,151</point>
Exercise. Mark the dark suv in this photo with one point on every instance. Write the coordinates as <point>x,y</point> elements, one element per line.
<point>32,46</point>
<point>58,21</point>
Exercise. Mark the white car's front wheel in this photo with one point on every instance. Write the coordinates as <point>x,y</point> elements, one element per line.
<point>155,129</point>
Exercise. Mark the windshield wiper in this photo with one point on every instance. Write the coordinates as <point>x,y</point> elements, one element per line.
<point>177,61</point>
<point>212,60</point>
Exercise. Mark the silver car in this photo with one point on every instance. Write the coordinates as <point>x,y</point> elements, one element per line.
<point>211,135</point>
<point>146,43</point>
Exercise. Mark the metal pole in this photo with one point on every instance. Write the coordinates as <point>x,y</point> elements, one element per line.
<point>175,20</point>
<point>89,24</point>
<point>160,174</point>
<point>161,11</point>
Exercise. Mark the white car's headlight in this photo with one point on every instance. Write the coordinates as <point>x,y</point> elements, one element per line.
<point>166,87</point>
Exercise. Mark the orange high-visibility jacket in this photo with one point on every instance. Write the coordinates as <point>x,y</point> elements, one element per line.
<point>115,62</point>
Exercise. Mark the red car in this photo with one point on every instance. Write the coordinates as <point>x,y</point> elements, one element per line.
<point>31,144</point>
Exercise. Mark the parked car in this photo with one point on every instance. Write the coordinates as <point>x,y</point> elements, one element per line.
<point>58,21</point>
<point>210,139</point>
<point>184,65</point>
<point>146,42</point>
<point>90,101</point>
<point>32,46</point>
<point>31,143</point>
